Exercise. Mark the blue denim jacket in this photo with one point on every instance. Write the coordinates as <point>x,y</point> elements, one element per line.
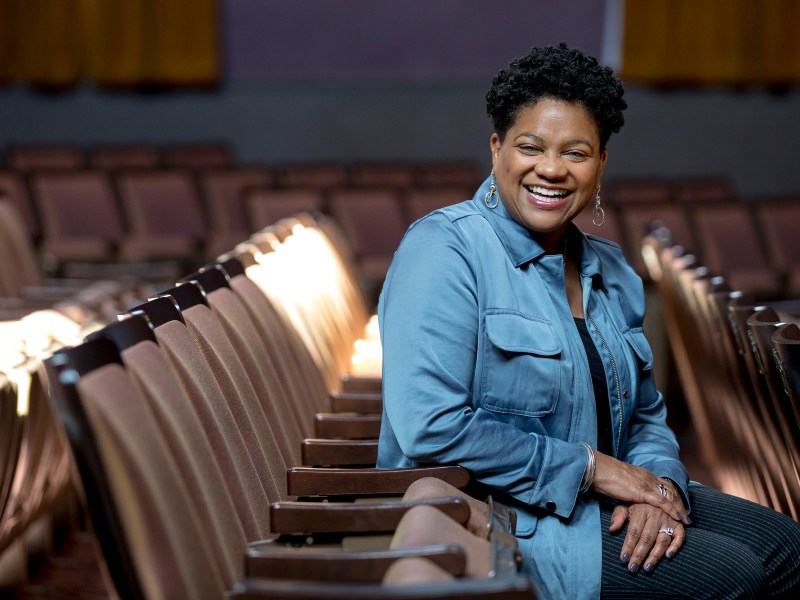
<point>483,367</point>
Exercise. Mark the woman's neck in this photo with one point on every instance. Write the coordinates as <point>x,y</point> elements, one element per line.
<point>553,242</point>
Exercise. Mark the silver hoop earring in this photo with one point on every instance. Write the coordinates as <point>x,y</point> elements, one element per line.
<point>488,198</point>
<point>598,214</point>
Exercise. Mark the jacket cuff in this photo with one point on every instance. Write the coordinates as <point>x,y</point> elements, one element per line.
<point>559,481</point>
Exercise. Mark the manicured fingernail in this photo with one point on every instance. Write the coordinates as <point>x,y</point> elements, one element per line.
<point>670,554</point>
<point>680,517</point>
<point>633,568</point>
<point>648,567</point>
<point>624,558</point>
<point>688,521</point>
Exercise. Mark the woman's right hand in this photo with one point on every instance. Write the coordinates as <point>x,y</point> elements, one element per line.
<point>629,483</point>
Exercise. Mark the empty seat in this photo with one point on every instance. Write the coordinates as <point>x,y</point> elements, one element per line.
<point>644,190</point>
<point>730,245</point>
<point>321,176</point>
<point>198,155</point>
<point>165,215</point>
<point>45,156</point>
<point>372,174</point>
<point>638,220</point>
<point>702,190</point>
<point>81,220</point>
<point>779,221</point>
<point>457,172</point>
<point>374,223</point>
<point>266,206</point>
<point>124,156</point>
<point>224,192</point>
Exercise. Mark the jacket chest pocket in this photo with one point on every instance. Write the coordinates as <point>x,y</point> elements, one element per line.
<point>521,372</point>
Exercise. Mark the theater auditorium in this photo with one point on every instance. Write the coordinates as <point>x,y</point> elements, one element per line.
<point>200,201</point>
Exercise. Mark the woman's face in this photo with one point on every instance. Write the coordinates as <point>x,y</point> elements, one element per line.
<point>549,165</point>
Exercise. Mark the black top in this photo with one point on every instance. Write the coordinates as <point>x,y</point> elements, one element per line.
<point>605,441</point>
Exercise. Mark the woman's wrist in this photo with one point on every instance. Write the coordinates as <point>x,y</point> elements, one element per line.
<point>589,471</point>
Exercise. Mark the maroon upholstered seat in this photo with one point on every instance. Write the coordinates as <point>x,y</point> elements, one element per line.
<point>81,218</point>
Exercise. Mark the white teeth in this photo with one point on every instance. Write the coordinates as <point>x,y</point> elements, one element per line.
<point>546,192</point>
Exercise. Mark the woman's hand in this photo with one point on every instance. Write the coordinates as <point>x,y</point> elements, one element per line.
<point>647,540</point>
<point>629,483</point>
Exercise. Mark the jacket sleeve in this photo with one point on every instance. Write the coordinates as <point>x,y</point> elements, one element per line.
<point>429,319</point>
<point>650,442</point>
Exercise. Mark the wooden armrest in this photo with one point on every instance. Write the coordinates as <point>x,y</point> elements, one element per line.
<point>337,453</point>
<point>309,481</point>
<point>295,518</point>
<point>356,402</point>
<point>330,425</point>
<point>336,564</point>
<point>520,587</point>
<point>353,383</point>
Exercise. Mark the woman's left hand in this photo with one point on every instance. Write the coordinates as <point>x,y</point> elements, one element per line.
<point>646,542</point>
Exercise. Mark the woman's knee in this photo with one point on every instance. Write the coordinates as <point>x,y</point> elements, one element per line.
<point>424,525</point>
<point>415,570</point>
<point>428,488</point>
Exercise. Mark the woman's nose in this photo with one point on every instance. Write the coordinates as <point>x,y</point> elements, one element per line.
<point>550,166</point>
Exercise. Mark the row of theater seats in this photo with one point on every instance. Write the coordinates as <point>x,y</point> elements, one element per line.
<point>197,203</point>
<point>195,155</point>
<point>35,479</point>
<point>214,155</point>
<point>752,243</point>
<point>738,360</point>
<point>222,429</point>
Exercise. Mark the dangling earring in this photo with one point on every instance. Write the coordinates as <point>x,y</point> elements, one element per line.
<point>487,199</point>
<point>598,214</point>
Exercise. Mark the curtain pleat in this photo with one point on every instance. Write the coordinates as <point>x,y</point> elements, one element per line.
<point>119,43</point>
<point>714,42</point>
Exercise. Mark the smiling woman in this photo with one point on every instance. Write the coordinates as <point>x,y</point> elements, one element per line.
<point>513,346</point>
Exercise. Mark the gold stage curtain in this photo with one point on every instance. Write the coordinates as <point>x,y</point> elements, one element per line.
<point>712,42</point>
<point>115,43</point>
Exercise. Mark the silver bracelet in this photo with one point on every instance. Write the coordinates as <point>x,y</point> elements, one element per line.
<point>588,474</point>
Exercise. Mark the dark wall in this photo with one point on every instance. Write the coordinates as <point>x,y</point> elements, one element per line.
<point>385,79</point>
<point>329,39</point>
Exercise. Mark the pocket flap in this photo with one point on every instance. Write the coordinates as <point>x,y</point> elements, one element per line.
<point>514,332</point>
<point>638,342</point>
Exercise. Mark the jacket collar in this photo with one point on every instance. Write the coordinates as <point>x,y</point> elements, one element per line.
<point>519,244</point>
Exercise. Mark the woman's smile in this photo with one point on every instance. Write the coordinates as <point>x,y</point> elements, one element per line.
<point>548,198</point>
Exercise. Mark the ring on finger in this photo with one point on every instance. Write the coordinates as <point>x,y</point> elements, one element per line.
<point>662,490</point>
<point>670,531</point>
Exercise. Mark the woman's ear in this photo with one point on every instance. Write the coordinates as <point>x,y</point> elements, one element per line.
<point>494,146</point>
<point>603,159</point>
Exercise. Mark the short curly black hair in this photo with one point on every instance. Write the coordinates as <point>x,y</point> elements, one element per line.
<point>557,72</point>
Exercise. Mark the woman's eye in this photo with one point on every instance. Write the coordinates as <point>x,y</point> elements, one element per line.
<point>529,149</point>
<point>575,155</point>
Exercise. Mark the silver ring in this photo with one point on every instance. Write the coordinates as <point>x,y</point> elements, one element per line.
<point>668,530</point>
<point>662,490</point>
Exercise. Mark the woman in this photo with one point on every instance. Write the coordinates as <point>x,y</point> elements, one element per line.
<point>513,346</point>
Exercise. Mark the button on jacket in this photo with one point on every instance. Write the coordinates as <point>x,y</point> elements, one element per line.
<point>483,367</point>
